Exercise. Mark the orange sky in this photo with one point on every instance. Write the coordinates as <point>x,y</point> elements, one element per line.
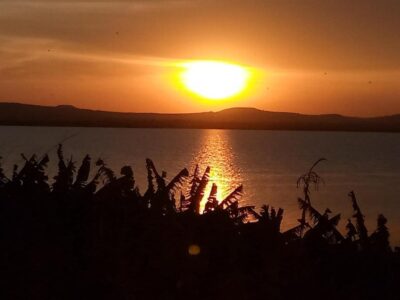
<point>318,56</point>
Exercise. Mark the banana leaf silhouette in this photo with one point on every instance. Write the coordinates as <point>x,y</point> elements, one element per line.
<point>271,218</point>
<point>195,182</point>
<point>212,201</point>
<point>83,233</point>
<point>232,198</point>
<point>196,199</point>
<point>360,223</point>
<point>351,230</point>
<point>379,239</point>
<point>3,177</point>
<point>64,178</point>
<point>162,199</point>
<point>83,173</point>
<point>322,224</point>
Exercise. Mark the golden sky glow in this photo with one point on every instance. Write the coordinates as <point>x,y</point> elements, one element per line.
<point>315,56</point>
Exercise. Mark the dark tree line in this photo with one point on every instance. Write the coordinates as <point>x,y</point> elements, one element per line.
<point>97,236</point>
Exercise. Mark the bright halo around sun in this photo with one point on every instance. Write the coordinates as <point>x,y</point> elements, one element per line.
<point>214,80</point>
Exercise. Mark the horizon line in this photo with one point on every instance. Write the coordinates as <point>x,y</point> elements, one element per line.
<point>199,112</point>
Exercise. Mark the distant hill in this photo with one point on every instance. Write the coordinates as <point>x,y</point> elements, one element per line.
<point>233,118</point>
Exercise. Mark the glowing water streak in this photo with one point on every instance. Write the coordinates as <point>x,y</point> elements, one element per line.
<point>217,153</point>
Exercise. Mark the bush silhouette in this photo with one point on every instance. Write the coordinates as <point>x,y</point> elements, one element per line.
<point>100,238</point>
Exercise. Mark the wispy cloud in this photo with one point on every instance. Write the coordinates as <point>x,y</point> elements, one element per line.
<point>22,58</point>
<point>139,5</point>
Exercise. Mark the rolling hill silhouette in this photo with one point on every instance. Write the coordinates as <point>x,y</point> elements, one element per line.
<point>233,118</point>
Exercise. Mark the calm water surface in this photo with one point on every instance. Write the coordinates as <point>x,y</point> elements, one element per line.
<point>267,163</point>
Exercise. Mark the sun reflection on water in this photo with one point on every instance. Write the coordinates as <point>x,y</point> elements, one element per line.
<point>216,152</point>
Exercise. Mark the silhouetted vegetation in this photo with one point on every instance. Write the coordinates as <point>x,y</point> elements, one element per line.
<point>83,236</point>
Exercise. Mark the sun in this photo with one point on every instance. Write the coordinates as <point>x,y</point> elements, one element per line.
<point>214,80</point>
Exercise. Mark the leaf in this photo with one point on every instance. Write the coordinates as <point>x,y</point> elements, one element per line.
<point>43,163</point>
<point>159,179</point>
<point>195,181</point>
<point>127,171</point>
<point>150,185</point>
<point>334,221</point>
<point>232,197</point>
<point>105,171</point>
<point>177,181</point>
<point>314,214</point>
<point>198,196</point>
<point>212,202</point>
<point>83,172</point>
<point>360,224</point>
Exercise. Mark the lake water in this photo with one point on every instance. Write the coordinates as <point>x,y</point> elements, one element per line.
<point>267,163</point>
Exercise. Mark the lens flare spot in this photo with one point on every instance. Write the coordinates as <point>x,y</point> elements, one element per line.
<point>194,250</point>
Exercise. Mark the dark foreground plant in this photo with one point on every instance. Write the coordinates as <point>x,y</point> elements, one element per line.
<point>98,237</point>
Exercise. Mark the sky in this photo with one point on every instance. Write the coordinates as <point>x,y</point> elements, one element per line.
<point>311,56</point>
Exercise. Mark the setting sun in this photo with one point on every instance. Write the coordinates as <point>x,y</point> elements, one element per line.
<point>214,80</point>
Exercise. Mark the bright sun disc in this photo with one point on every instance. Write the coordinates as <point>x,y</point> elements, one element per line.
<point>214,80</point>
